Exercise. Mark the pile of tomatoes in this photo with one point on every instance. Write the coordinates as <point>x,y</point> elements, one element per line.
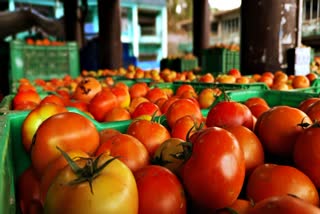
<point>248,157</point>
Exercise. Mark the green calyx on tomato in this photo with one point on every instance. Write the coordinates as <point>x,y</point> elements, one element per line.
<point>87,173</point>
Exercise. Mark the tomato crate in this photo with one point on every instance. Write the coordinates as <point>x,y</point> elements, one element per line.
<point>15,160</point>
<point>43,62</point>
<point>273,97</point>
<point>219,60</point>
<point>179,64</point>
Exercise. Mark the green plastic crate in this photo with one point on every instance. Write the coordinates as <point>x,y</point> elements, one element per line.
<point>179,64</point>
<point>273,97</point>
<point>219,60</point>
<point>44,62</point>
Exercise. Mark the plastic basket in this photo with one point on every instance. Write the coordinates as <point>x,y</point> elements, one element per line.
<point>44,62</point>
<point>179,64</point>
<point>273,97</point>
<point>219,60</point>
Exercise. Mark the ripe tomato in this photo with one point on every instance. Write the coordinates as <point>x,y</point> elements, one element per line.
<point>28,190</point>
<point>240,206</point>
<point>208,78</point>
<point>229,113</point>
<point>139,89</point>
<point>304,105</point>
<point>180,108</point>
<point>117,114</point>
<point>151,134</point>
<point>114,189</point>
<point>273,180</point>
<point>129,150</point>
<point>306,153</point>
<point>300,81</point>
<point>258,109</point>
<point>207,96</point>
<point>155,93</point>
<point>164,108</point>
<point>26,96</point>
<point>146,108</point>
<point>34,120</point>
<point>234,72</point>
<point>255,100</point>
<point>278,128</point>
<point>52,98</point>
<point>123,96</point>
<point>250,145</point>
<point>69,131</point>
<point>184,88</point>
<point>25,106</point>
<point>214,174</point>
<point>313,111</point>
<point>101,103</point>
<point>86,89</point>
<point>105,134</point>
<point>283,204</point>
<point>160,191</point>
<point>135,102</point>
<point>54,168</point>
<point>167,155</point>
<point>183,125</point>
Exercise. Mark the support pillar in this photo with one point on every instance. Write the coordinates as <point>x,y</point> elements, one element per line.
<point>70,19</point>
<point>110,46</point>
<point>201,27</point>
<point>268,30</point>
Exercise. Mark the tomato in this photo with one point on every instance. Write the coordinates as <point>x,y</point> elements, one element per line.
<point>167,155</point>
<point>250,145</point>
<point>117,114</point>
<point>207,96</point>
<point>234,72</point>
<point>273,180</point>
<point>267,80</point>
<point>139,89</point>
<point>86,89</point>
<point>82,106</point>
<point>300,81</point>
<point>278,128</point>
<point>25,106</point>
<point>26,87</point>
<point>313,111</point>
<point>183,125</point>
<point>240,206</point>
<point>155,93</point>
<point>184,88</point>
<point>114,189</point>
<point>164,108</point>
<point>34,120</point>
<point>54,168</point>
<point>28,189</point>
<point>135,102</point>
<point>306,155</point>
<point>283,204</point>
<point>160,102</point>
<point>214,174</point>
<point>69,131</point>
<point>180,108</point>
<point>208,78</point>
<point>123,96</point>
<point>52,98</point>
<point>105,134</point>
<point>146,108</point>
<point>229,113</point>
<point>26,96</point>
<point>128,148</point>
<point>305,104</point>
<point>258,109</point>
<point>101,103</point>
<point>160,191</point>
<point>255,100</point>
<point>151,134</point>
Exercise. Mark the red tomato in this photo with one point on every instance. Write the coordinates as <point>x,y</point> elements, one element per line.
<point>135,102</point>
<point>214,174</point>
<point>183,125</point>
<point>101,103</point>
<point>69,131</point>
<point>86,89</point>
<point>255,100</point>
<point>117,114</point>
<point>82,106</point>
<point>229,113</point>
<point>207,96</point>
<point>129,150</point>
<point>53,99</point>
<point>234,72</point>
<point>306,153</point>
<point>258,109</point>
<point>273,180</point>
<point>240,206</point>
<point>22,97</point>
<point>164,108</point>
<point>313,111</point>
<point>278,129</point>
<point>250,145</point>
<point>283,204</point>
<point>304,105</point>
<point>146,108</point>
<point>105,134</point>
<point>155,93</point>
<point>28,190</point>
<point>27,105</point>
<point>34,120</point>
<point>139,89</point>
<point>151,134</point>
<point>184,88</point>
<point>123,96</point>
<point>160,191</point>
<point>180,108</point>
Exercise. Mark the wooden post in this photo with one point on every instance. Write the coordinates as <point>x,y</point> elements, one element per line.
<point>110,46</point>
<point>268,30</point>
<point>201,27</point>
<point>70,19</point>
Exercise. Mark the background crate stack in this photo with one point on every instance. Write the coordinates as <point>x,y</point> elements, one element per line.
<point>219,60</point>
<point>179,64</point>
<point>44,62</point>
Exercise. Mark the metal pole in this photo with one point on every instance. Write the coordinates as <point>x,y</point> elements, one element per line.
<point>299,31</point>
